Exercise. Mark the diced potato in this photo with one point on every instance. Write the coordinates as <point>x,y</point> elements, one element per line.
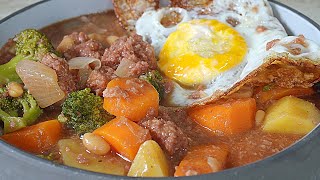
<point>150,161</point>
<point>291,115</point>
<point>65,44</point>
<point>74,154</point>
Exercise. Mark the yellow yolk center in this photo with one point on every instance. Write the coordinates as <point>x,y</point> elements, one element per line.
<point>199,50</point>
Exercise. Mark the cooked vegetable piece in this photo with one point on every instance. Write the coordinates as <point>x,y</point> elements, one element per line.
<point>38,138</point>
<point>202,160</point>
<point>31,44</point>
<point>19,112</point>
<point>291,115</point>
<point>231,117</point>
<point>74,154</point>
<point>132,98</point>
<point>37,77</point>
<point>275,93</point>
<point>95,144</point>
<point>83,111</point>
<point>150,161</point>
<point>124,136</point>
<point>155,78</point>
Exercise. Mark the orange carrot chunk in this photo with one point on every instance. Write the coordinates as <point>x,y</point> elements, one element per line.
<point>202,160</point>
<point>38,138</point>
<point>132,98</point>
<point>275,93</point>
<point>124,136</point>
<point>231,117</point>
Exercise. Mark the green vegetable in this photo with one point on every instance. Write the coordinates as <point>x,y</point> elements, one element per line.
<point>155,78</point>
<point>30,44</point>
<point>17,113</point>
<point>267,87</point>
<point>83,111</point>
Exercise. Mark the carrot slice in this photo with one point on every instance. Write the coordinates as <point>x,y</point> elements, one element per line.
<point>202,160</point>
<point>275,93</point>
<point>124,136</point>
<point>37,138</point>
<point>132,98</point>
<point>234,116</point>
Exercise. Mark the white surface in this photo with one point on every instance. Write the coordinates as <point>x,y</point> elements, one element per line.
<point>310,8</point>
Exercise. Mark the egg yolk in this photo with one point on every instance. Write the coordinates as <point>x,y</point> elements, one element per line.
<point>199,50</point>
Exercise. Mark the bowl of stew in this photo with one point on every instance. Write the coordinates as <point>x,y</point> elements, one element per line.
<point>106,122</point>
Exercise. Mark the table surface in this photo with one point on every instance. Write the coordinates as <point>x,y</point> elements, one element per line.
<point>310,8</point>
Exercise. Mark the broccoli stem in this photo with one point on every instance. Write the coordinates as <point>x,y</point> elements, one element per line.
<point>11,123</point>
<point>31,110</point>
<point>8,71</point>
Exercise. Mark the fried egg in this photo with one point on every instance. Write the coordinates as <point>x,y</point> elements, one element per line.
<point>211,54</point>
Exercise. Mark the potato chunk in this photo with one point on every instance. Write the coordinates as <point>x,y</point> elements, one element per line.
<point>74,154</point>
<point>150,161</point>
<point>291,115</point>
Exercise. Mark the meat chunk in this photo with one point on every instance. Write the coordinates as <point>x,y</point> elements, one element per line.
<point>133,49</point>
<point>169,136</point>
<point>99,79</point>
<point>80,45</point>
<point>66,79</point>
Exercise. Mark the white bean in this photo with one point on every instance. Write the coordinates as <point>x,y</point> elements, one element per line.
<point>260,114</point>
<point>95,144</point>
<point>15,89</point>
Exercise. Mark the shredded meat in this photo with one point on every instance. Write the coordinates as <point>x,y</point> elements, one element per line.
<point>300,40</point>
<point>99,79</point>
<point>80,45</point>
<point>292,46</point>
<point>271,44</point>
<point>171,19</point>
<point>232,21</point>
<point>7,52</point>
<point>261,29</point>
<point>134,49</point>
<point>66,79</point>
<point>169,136</point>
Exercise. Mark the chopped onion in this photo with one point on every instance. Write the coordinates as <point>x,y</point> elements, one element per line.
<point>124,68</point>
<point>41,81</point>
<point>84,75</point>
<point>83,62</point>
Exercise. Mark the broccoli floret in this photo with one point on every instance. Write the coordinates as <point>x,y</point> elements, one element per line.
<point>30,107</point>
<point>10,105</point>
<point>30,44</point>
<point>17,113</point>
<point>155,78</point>
<point>83,111</point>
